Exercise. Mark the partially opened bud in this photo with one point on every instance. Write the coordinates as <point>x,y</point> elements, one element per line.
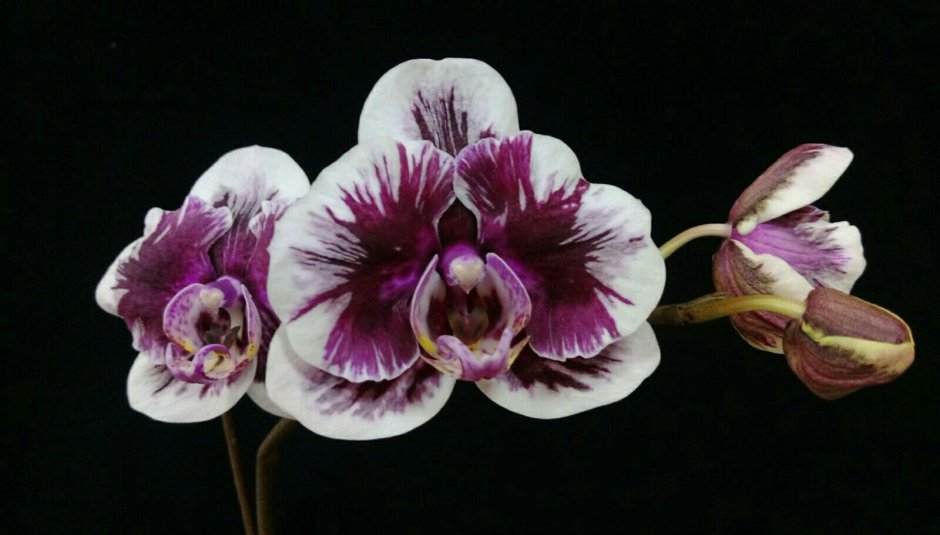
<point>843,344</point>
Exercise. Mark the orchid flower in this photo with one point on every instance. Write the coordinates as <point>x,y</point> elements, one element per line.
<point>776,243</point>
<point>447,245</point>
<point>193,293</point>
<point>779,244</point>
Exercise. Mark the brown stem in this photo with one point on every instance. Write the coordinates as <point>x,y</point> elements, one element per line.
<point>244,502</point>
<point>268,455</point>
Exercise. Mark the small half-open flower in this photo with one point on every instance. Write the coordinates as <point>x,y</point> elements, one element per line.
<point>843,343</point>
<point>193,291</point>
<point>779,244</point>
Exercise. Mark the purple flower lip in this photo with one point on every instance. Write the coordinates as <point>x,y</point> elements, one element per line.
<point>469,334</point>
<point>214,331</point>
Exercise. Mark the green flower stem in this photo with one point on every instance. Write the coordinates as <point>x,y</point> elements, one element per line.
<point>268,455</point>
<point>244,502</point>
<point>720,230</point>
<point>716,306</point>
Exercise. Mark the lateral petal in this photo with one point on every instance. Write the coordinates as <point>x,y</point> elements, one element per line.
<point>583,251</point>
<point>346,258</point>
<point>171,256</point>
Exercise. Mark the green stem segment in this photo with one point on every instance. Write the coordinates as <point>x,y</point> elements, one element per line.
<point>268,455</point>
<point>244,502</point>
<point>716,306</point>
<point>719,230</point>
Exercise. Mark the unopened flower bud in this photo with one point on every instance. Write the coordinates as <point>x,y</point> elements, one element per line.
<point>843,343</point>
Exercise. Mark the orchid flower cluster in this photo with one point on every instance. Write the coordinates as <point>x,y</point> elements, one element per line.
<point>450,245</point>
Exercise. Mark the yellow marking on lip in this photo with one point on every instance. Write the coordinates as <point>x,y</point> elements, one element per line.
<point>428,345</point>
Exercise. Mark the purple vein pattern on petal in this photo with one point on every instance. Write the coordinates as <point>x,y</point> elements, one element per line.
<point>172,256</point>
<point>345,259</point>
<point>798,178</point>
<point>582,251</point>
<point>826,254</point>
<point>543,388</point>
<point>336,408</point>
<point>451,103</point>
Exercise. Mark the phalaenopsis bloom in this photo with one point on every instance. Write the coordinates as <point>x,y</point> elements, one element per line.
<point>449,245</point>
<point>781,245</point>
<point>192,290</point>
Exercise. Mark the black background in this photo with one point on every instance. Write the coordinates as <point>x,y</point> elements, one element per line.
<point>116,109</point>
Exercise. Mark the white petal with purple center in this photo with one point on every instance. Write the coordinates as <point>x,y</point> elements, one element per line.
<point>798,178</point>
<point>543,388</point>
<point>336,408</point>
<point>152,390</point>
<point>345,259</point>
<point>582,251</point>
<point>451,103</point>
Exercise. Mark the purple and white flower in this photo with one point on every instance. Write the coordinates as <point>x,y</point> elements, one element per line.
<point>447,245</point>
<point>193,289</point>
<point>781,245</point>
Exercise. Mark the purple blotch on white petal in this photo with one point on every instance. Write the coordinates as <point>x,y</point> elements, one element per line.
<point>582,251</point>
<point>347,257</point>
<point>798,178</point>
<point>543,388</point>
<point>170,257</point>
<point>107,293</point>
<point>451,103</point>
<point>333,407</point>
